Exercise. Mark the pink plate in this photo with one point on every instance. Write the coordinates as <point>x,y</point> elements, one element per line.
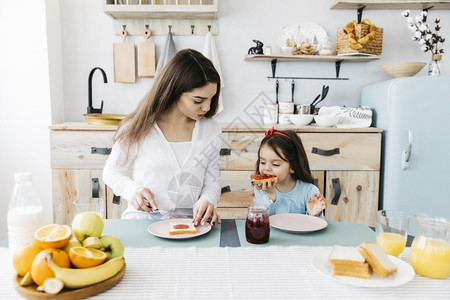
<point>161,229</point>
<point>297,223</point>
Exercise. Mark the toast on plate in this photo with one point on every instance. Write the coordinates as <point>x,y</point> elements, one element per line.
<point>347,261</point>
<point>377,258</point>
<point>181,228</point>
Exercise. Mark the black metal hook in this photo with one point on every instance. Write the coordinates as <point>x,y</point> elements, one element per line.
<point>170,28</point>
<point>209,27</point>
<point>192,29</point>
<point>359,13</point>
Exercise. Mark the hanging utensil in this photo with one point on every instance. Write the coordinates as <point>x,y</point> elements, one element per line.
<point>293,88</point>
<point>312,103</point>
<point>324,94</point>
<point>277,85</point>
<point>325,89</point>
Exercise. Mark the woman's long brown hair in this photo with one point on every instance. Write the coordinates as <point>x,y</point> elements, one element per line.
<point>188,69</point>
<point>290,150</point>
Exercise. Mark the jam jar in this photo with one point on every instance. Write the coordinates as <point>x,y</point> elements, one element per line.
<point>257,226</point>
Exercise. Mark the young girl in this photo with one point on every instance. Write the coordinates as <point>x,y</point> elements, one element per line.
<point>281,154</point>
<point>172,144</point>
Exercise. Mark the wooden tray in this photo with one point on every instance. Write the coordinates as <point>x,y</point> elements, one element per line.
<point>104,119</point>
<point>30,292</point>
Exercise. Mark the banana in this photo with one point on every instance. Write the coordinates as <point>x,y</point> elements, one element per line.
<point>78,278</point>
<point>92,242</point>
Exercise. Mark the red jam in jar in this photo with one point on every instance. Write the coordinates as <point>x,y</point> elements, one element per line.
<point>257,226</point>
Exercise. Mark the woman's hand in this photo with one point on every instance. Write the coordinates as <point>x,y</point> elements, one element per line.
<point>316,205</point>
<point>269,188</point>
<point>140,198</point>
<point>203,210</point>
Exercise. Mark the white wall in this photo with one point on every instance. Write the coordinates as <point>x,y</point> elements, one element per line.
<point>88,37</point>
<point>44,71</point>
<point>24,101</point>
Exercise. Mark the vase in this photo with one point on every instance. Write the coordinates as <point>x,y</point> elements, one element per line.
<point>435,65</point>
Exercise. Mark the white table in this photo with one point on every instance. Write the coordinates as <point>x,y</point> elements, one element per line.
<point>273,272</point>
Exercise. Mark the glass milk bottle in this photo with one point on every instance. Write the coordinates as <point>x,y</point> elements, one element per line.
<point>25,213</point>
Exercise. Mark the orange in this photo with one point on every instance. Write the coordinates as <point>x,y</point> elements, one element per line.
<point>53,236</point>
<point>23,257</point>
<point>39,268</point>
<point>82,257</point>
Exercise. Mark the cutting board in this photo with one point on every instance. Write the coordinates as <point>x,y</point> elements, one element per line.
<point>124,61</point>
<point>146,57</point>
<point>31,292</point>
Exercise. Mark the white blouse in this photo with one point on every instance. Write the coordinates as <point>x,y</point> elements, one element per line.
<point>181,150</point>
<point>155,166</point>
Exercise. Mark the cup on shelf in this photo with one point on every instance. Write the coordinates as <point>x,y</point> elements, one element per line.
<point>392,231</point>
<point>270,113</point>
<point>303,109</point>
<point>286,107</point>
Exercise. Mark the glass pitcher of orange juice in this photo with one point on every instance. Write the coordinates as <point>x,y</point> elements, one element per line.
<point>430,249</point>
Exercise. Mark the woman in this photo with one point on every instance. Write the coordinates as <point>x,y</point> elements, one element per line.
<point>172,143</point>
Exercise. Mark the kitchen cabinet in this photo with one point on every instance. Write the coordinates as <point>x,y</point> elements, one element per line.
<point>345,164</point>
<point>184,17</point>
<point>161,9</point>
<point>78,154</point>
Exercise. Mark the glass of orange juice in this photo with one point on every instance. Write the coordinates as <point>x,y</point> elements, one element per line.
<point>392,230</point>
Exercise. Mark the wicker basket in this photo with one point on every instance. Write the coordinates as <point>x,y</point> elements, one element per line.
<point>375,46</point>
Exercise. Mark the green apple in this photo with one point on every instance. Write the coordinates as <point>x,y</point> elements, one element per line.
<point>87,224</point>
<point>71,244</point>
<point>112,246</point>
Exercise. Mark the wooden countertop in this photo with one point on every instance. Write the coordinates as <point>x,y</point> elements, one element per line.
<point>226,127</point>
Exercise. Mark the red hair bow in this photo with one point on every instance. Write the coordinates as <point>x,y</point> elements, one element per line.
<point>273,131</point>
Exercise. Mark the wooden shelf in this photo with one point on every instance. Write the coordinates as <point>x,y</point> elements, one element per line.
<point>386,4</point>
<point>153,11</point>
<point>311,58</point>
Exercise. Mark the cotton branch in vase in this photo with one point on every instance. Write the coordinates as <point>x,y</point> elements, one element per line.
<point>429,40</point>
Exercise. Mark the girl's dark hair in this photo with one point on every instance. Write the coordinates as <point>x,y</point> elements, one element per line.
<point>188,69</point>
<point>290,150</point>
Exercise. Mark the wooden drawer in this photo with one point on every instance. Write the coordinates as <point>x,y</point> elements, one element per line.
<point>353,151</point>
<point>242,149</point>
<point>74,149</point>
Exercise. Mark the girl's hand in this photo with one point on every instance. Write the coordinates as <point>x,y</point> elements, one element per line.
<point>203,210</point>
<point>316,205</point>
<point>140,198</point>
<point>269,189</point>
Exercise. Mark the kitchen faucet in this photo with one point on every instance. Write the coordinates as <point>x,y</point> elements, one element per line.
<point>90,108</point>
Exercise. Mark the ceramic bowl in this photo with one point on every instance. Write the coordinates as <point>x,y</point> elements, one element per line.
<point>287,50</point>
<point>326,121</point>
<point>404,69</point>
<point>301,120</point>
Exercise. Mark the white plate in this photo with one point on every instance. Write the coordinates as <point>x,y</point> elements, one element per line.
<point>161,229</point>
<point>297,223</point>
<point>404,273</point>
<point>300,32</point>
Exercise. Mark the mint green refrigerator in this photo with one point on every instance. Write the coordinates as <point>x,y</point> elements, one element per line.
<point>414,113</point>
